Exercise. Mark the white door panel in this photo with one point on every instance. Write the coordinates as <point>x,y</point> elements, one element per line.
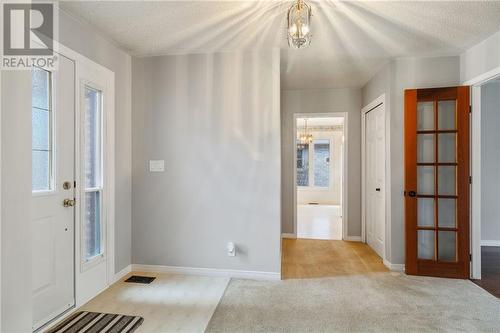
<point>52,223</point>
<point>375,178</point>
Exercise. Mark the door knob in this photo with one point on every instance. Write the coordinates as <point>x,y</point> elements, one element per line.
<point>377,189</point>
<point>412,194</point>
<point>69,202</point>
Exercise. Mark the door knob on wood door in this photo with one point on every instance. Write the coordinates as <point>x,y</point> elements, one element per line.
<point>69,202</point>
<point>412,194</point>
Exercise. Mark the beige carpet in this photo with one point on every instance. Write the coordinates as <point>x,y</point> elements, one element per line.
<point>379,302</point>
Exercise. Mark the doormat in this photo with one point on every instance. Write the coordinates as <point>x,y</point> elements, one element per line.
<point>140,279</point>
<point>95,322</point>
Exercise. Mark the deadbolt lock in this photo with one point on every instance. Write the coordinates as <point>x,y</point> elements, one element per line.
<point>66,185</point>
<point>69,202</point>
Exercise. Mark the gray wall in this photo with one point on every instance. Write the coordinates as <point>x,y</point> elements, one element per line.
<point>394,78</point>
<point>215,120</point>
<point>490,161</point>
<point>480,58</point>
<point>322,101</point>
<point>16,195</point>
<point>83,39</point>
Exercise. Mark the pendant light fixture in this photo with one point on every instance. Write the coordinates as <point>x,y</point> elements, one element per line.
<point>299,25</point>
<point>305,138</point>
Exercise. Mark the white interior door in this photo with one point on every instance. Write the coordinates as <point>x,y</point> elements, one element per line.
<point>375,179</point>
<point>53,175</point>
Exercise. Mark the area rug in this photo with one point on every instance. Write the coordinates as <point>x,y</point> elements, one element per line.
<point>378,302</point>
<point>95,322</point>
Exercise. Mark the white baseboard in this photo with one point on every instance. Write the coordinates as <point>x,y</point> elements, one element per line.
<point>288,235</point>
<point>490,242</point>
<point>230,273</point>
<point>353,239</point>
<point>394,267</point>
<point>118,276</point>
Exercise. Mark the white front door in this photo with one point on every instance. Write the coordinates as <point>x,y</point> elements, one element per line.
<point>53,176</point>
<point>375,179</point>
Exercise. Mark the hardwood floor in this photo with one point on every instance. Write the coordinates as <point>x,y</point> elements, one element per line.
<point>319,222</point>
<point>490,270</point>
<point>307,258</point>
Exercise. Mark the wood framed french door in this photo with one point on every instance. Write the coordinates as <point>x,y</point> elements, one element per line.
<point>437,182</point>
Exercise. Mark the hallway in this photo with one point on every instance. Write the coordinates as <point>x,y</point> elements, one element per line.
<point>307,258</point>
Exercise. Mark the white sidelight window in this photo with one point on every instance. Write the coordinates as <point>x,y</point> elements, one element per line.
<point>93,165</point>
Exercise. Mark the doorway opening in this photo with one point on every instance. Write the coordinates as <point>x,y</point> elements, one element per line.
<point>486,180</point>
<point>319,176</point>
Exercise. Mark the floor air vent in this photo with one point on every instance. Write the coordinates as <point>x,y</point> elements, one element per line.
<point>140,279</point>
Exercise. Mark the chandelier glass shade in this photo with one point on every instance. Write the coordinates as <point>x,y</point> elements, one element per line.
<point>305,138</point>
<point>299,25</point>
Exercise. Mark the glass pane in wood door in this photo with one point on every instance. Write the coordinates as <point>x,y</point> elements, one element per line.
<point>447,246</point>
<point>425,116</point>
<point>425,180</point>
<point>447,148</point>
<point>447,119</point>
<point>447,213</point>
<point>425,148</point>
<point>425,212</point>
<point>447,180</point>
<point>426,244</point>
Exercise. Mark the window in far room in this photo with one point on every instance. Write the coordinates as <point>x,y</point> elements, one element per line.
<point>313,163</point>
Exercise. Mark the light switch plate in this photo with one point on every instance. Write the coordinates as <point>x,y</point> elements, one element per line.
<point>156,165</point>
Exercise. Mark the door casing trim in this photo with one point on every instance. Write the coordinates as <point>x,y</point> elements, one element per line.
<point>475,165</point>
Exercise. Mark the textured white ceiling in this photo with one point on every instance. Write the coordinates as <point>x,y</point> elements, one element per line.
<point>351,40</point>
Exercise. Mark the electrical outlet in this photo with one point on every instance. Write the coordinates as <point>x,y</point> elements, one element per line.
<point>231,249</point>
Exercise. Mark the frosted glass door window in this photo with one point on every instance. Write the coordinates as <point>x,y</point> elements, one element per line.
<point>447,180</point>
<point>92,225</point>
<point>447,250</point>
<point>425,148</point>
<point>425,180</point>
<point>426,244</point>
<point>42,133</point>
<point>447,213</point>
<point>93,228</point>
<point>447,118</point>
<point>425,116</point>
<point>447,148</point>
<point>425,212</point>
